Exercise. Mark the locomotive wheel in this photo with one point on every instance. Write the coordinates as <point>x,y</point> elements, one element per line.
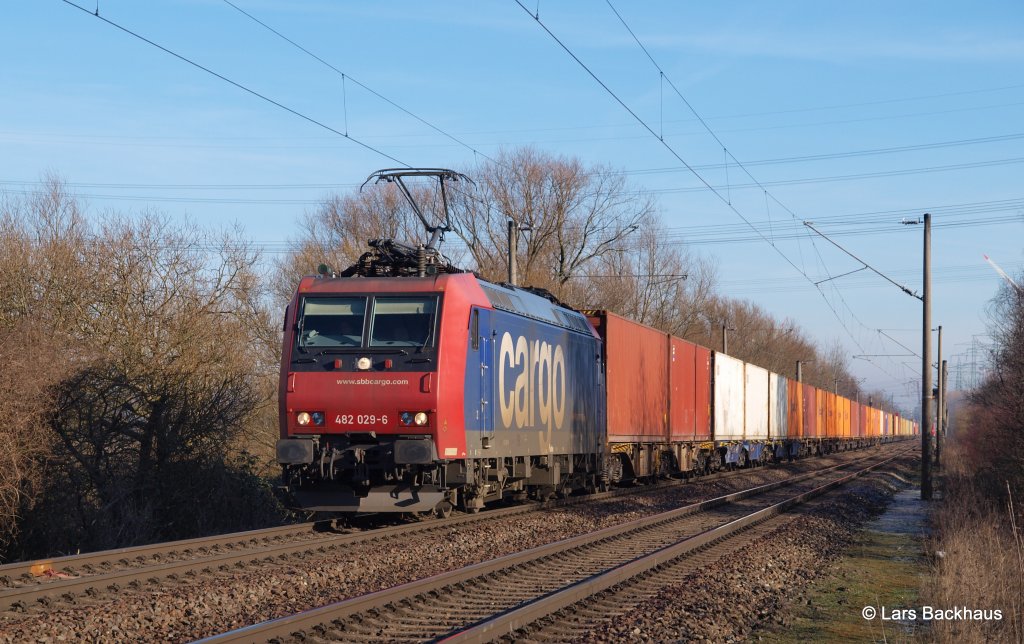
<point>443,510</point>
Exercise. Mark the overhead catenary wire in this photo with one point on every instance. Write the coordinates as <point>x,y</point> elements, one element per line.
<point>729,185</point>
<point>349,77</point>
<point>240,86</point>
<point>651,131</point>
<point>727,200</point>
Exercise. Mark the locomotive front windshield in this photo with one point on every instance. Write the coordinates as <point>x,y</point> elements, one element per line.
<point>338,322</point>
<point>332,322</point>
<point>402,321</point>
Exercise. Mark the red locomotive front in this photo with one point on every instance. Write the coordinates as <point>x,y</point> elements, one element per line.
<point>364,411</point>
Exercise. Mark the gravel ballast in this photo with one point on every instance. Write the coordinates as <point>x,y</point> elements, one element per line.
<point>195,607</point>
<point>727,600</point>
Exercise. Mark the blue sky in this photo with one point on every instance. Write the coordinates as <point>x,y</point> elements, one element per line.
<point>853,116</point>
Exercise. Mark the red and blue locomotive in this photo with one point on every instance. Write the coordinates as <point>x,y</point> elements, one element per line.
<point>416,393</point>
<point>408,385</point>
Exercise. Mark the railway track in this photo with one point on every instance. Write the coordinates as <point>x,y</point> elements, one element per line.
<point>38,584</point>
<point>562,620</point>
<point>496,598</point>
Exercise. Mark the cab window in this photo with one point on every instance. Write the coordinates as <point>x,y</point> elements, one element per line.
<point>332,322</point>
<point>402,321</point>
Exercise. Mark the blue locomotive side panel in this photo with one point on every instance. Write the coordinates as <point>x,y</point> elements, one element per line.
<point>531,388</point>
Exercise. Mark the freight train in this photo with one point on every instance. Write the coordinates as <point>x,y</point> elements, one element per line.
<point>407,385</point>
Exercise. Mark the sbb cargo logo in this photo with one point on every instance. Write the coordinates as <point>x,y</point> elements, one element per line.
<point>531,383</point>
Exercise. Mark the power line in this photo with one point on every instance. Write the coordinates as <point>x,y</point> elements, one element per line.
<point>729,155</point>
<point>651,171</point>
<point>761,128</point>
<point>234,83</point>
<point>759,185</point>
<point>851,177</point>
<point>843,155</point>
<point>755,181</point>
<point>964,209</point>
<point>841,106</point>
<point>350,78</point>
<point>845,225</point>
<point>647,127</point>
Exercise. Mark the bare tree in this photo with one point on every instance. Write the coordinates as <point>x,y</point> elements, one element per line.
<point>650,281</point>
<point>42,258</point>
<point>574,215</point>
<point>141,352</point>
<point>997,405</point>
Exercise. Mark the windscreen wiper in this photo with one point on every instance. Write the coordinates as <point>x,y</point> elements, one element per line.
<point>373,350</point>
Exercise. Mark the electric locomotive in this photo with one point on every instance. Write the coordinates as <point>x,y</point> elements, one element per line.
<point>408,385</point>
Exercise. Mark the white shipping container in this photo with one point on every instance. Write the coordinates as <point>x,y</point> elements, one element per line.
<point>756,403</point>
<point>778,405</point>
<point>729,398</point>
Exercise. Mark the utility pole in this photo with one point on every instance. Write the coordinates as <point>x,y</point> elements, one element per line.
<point>943,422</point>
<point>725,339</point>
<point>940,384</point>
<point>513,241</point>
<point>926,365</point>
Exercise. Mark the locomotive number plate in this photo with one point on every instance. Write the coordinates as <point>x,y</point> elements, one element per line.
<point>360,419</point>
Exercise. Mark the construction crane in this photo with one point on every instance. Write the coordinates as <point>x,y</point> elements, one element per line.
<point>1002,273</point>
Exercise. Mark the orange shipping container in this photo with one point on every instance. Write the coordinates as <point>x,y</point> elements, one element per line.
<point>812,417</point>
<point>689,378</point>
<point>794,396</point>
<point>658,386</point>
<point>826,428</point>
<point>636,359</point>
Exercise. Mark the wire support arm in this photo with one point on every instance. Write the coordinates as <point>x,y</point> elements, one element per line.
<point>866,265</point>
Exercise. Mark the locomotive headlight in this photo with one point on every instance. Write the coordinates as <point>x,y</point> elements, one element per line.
<point>420,418</point>
<point>303,418</point>
<point>318,417</point>
<point>363,363</point>
<point>406,418</point>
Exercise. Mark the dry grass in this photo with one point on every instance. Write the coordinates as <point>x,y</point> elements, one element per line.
<point>979,562</point>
